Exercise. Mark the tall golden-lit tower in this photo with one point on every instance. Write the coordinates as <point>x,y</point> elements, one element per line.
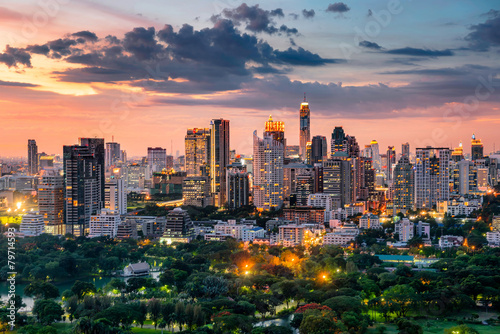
<point>305,127</point>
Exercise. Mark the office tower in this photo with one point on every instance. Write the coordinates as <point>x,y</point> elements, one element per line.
<point>305,127</point>
<point>458,153</point>
<point>135,175</point>
<point>196,191</point>
<point>304,188</point>
<point>337,179</point>
<point>431,176</point>
<point>268,156</point>
<point>405,150</point>
<point>123,156</point>
<point>376,161</point>
<point>308,153</point>
<point>319,149</point>
<point>238,188</point>
<point>105,223</point>
<point>467,177</point>
<point>290,173</point>
<point>178,227</point>
<point>318,178</point>
<point>352,147</point>
<point>476,148</point>
<point>404,185</point>
<point>32,157</point>
<point>115,196</point>
<point>51,200</point>
<point>368,174</point>
<point>113,154</point>
<point>197,156</point>
<point>84,183</point>
<point>157,158</point>
<point>276,129</point>
<point>338,142</point>
<point>390,161</point>
<point>219,159</point>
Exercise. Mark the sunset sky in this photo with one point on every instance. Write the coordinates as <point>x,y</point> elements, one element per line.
<point>426,72</point>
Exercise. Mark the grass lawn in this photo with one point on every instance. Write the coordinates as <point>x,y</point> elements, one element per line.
<point>148,330</point>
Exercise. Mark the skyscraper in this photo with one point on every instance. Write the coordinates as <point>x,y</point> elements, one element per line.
<point>276,129</point>
<point>458,153</point>
<point>476,148</point>
<point>319,149</point>
<point>268,156</point>
<point>51,200</point>
<point>390,161</point>
<point>32,157</point>
<point>305,127</point>
<point>115,196</point>
<point>404,185</point>
<point>197,145</point>
<point>157,158</point>
<point>113,154</point>
<point>376,161</point>
<point>219,159</point>
<point>405,150</point>
<point>337,179</point>
<point>238,188</point>
<point>84,183</point>
<point>338,142</point>
<point>432,176</point>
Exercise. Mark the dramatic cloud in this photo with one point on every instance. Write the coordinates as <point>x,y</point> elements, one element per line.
<point>15,56</point>
<point>421,52</point>
<point>16,84</point>
<point>308,14</point>
<point>338,7</point>
<point>301,57</point>
<point>255,18</point>
<point>86,35</point>
<point>370,45</point>
<point>485,35</point>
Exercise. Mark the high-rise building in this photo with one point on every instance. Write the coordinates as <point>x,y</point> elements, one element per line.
<point>51,200</point>
<point>84,183</point>
<point>196,191</point>
<point>458,153</point>
<point>319,149</point>
<point>305,127</point>
<point>467,177</point>
<point>197,158</point>
<point>32,225</point>
<point>404,185</point>
<point>238,188</point>
<point>268,156</point>
<point>219,159</point>
<point>308,153</point>
<point>157,158</point>
<point>390,161</point>
<point>178,227</point>
<point>376,161</point>
<point>304,188</point>
<point>337,179</point>
<point>431,176</point>
<point>476,148</point>
<point>115,196</point>
<point>406,230</point>
<point>32,157</point>
<point>276,129</point>
<point>113,154</point>
<point>339,141</point>
<point>405,150</point>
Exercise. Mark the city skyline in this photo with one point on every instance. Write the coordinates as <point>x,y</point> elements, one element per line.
<point>406,73</point>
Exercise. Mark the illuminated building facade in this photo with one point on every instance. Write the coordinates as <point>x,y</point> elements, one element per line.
<point>305,127</point>
<point>157,158</point>
<point>276,129</point>
<point>219,159</point>
<point>51,201</point>
<point>197,157</point>
<point>476,148</point>
<point>404,186</point>
<point>458,153</point>
<point>268,156</point>
<point>319,149</point>
<point>432,176</point>
<point>238,188</point>
<point>196,191</point>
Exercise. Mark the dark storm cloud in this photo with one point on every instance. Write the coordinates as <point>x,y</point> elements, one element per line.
<point>485,35</point>
<point>16,84</point>
<point>408,51</point>
<point>308,14</point>
<point>141,43</point>
<point>338,7</point>
<point>15,56</point>
<point>38,49</point>
<point>255,18</point>
<point>301,57</point>
<point>370,45</point>
<point>87,35</point>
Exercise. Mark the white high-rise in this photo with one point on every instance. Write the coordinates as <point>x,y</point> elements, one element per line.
<point>268,156</point>
<point>104,224</point>
<point>115,196</point>
<point>432,176</point>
